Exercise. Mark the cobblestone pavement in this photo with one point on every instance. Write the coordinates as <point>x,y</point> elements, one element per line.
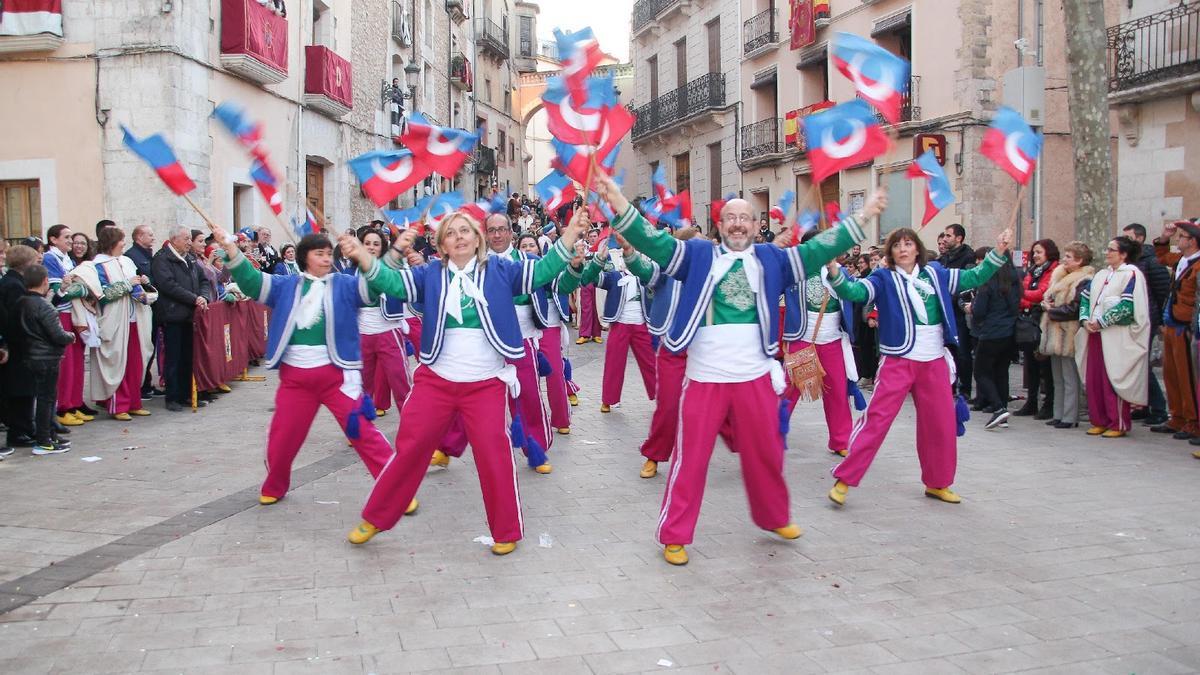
<point>1068,554</point>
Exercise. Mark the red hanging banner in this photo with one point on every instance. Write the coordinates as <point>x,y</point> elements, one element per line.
<point>804,33</point>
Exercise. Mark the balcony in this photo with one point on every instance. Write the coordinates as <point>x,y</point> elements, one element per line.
<point>401,32</point>
<point>485,160</point>
<point>457,10</point>
<point>254,41</point>
<point>821,14</point>
<point>696,107</point>
<point>761,142</point>
<point>460,72</point>
<point>910,103</point>
<point>796,138</point>
<point>647,14</point>
<point>492,38</point>
<point>1155,56</point>
<point>327,86</point>
<point>30,31</point>
<point>759,34</point>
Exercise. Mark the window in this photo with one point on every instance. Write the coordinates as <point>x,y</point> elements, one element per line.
<point>487,91</point>
<point>429,23</point>
<point>500,146</point>
<point>324,25</point>
<point>652,66</point>
<point>508,100</point>
<point>427,86</point>
<point>653,167</point>
<point>526,45</point>
<point>714,45</point>
<point>512,152</point>
<point>22,213</point>
<point>681,62</point>
<point>714,171</point>
<point>683,172</point>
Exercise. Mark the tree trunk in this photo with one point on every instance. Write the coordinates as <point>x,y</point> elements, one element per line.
<point>1087,96</point>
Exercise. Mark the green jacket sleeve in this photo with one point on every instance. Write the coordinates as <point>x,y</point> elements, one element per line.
<point>393,283</point>
<point>657,244</point>
<point>850,289</point>
<point>642,267</point>
<point>979,274</point>
<point>818,251</point>
<point>247,277</point>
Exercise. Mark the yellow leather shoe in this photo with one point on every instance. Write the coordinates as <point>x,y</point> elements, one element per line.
<point>582,340</point>
<point>267,500</point>
<point>604,407</point>
<point>1096,431</point>
<point>504,547</point>
<point>439,459</point>
<point>412,507</point>
<point>1114,433</point>
<point>945,494</point>
<point>564,431</point>
<point>224,388</point>
<point>573,399</point>
<point>840,453</point>
<point>363,533</point>
<point>649,469</point>
<point>837,494</point>
<point>68,420</point>
<point>122,417</point>
<point>140,412</point>
<point>380,412</point>
<point>1196,454</point>
<point>789,531</point>
<point>543,468</point>
<point>83,416</point>
<point>675,554</point>
<point>598,340</point>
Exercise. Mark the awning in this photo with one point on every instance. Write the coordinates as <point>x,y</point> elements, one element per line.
<point>891,24</point>
<point>765,78</point>
<point>813,56</point>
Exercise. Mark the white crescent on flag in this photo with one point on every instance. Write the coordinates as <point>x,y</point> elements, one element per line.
<point>576,119</point>
<point>403,169</point>
<point>847,148</point>
<point>437,146</point>
<point>1014,153</point>
<point>556,200</point>
<point>276,199</point>
<point>573,66</point>
<point>878,91</point>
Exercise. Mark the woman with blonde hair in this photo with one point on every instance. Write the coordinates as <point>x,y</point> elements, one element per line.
<point>1060,323</point>
<point>470,329</point>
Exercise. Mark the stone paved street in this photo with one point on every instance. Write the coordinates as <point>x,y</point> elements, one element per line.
<point>1069,555</point>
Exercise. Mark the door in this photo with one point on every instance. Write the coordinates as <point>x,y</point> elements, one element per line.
<point>681,62</point>
<point>683,172</point>
<point>652,66</point>
<point>714,45</point>
<point>314,188</point>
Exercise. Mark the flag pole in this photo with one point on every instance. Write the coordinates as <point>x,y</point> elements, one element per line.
<point>1012,220</point>
<point>587,188</point>
<point>208,221</point>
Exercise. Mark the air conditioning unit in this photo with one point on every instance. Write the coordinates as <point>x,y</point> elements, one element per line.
<point>1025,92</point>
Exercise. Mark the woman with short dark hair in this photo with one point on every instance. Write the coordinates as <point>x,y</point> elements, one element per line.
<point>1038,378</point>
<point>993,318</point>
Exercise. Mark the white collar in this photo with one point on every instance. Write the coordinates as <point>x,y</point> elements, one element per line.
<point>506,253</point>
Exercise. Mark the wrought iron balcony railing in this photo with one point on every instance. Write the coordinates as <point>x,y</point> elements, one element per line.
<point>761,139</point>
<point>485,159</point>
<point>489,35</point>
<point>910,103</point>
<point>759,31</point>
<point>1154,48</point>
<point>644,12</point>
<point>702,94</point>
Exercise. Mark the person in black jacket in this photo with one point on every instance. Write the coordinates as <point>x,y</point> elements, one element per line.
<point>16,377</point>
<point>993,319</point>
<point>182,288</point>
<point>959,256</point>
<point>1158,283</point>
<point>141,252</point>
<point>45,340</point>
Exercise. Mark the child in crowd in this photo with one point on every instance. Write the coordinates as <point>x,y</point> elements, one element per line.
<point>46,340</point>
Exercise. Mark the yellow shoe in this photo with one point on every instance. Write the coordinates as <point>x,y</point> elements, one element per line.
<point>504,547</point>
<point>675,554</point>
<point>83,416</point>
<point>604,407</point>
<point>837,495</point>
<point>543,468</point>
<point>582,340</point>
<point>840,453</point>
<point>68,420</point>
<point>649,469</point>
<point>224,388</point>
<point>573,399</point>
<point>565,431</point>
<point>1096,431</point>
<point>1196,454</point>
<point>122,417</point>
<point>1113,433</point>
<point>598,340</point>
<point>789,531</point>
<point>439,459</point>
<point>140,412</point>
<point>379,412</point>
<point>412,507</point>
<point>363,533</point>
<point>266,500</point>
<point>945,494</point>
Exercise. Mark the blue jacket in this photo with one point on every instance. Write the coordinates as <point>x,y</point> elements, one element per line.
<point>343,298</point>
<point>897,333</point>
<point>662,307</point>
<point>614,299</point>
<point>392,309</point>
<point>795,319</point>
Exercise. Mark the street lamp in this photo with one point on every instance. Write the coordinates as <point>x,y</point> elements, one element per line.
<point>411,73</point>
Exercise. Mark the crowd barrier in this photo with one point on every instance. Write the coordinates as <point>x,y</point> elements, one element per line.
<point>226,338</point>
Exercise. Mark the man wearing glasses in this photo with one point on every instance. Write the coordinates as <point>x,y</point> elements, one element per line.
<point>1178,370</point>
<point>728,321</point>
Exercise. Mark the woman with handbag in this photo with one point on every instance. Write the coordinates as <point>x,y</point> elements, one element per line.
<point>993,313</point>
<point>1060,323</point>
<point>916,327</point>
<point>1044,256</point>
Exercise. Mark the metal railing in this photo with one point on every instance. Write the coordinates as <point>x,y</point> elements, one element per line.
<point>761,138</point>
<point>399,31</point>
<point>490,35</point>
<point>807,110</point>
<point>706,92</point>
<point>1154,48</point>
<point>644,12</point>
<point>759,31</point>
<point>910,103</point>
<point>460,70</point>
<point>485,159</point>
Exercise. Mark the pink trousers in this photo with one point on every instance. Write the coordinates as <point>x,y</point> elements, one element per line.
<point>302,391</point>
<point>589,314</point>
<point>752,408</point>
<point>621,338</point>
<point>833,392</point>
<point>1105,408</point>
<point>70,370</point>
<point>669,370</point>
<point>431,406</point>
<point>414,333</point>
<point>385,368</point>
<point>529,404</point>
<point>129,393</point>
<point>937,445</point>
<point>556,381</point>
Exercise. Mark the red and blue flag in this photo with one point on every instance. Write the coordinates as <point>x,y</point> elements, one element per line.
<point>154,151</point>
<point>878,75</point>
<point>555,190</point>
<point>579,53</point>
<point>440,150</point>
<point>579,120</point>
<point>247,132</point>
<point>1012,145</point>
<point>842,137</point>
<point>267,185</point>
<point>384,174</point>
<point>938,194</point>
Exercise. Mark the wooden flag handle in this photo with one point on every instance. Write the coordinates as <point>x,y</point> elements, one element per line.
<point>207,221</point>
